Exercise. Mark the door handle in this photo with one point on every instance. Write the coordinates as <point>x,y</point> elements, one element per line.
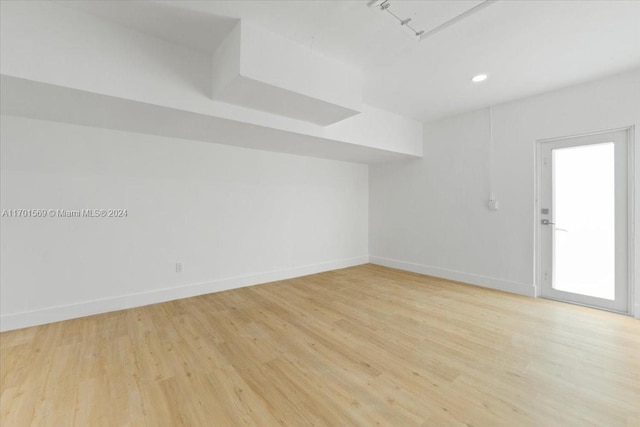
<point>547,222</point>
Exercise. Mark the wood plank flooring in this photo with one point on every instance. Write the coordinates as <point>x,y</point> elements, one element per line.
<point>363,346</point>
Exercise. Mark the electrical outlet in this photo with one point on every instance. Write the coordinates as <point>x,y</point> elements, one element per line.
<point>178,267</point>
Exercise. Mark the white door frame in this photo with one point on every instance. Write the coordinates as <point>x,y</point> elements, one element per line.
<point>630,131</point>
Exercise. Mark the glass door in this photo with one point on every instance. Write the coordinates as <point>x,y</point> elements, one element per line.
<point>583,220</point>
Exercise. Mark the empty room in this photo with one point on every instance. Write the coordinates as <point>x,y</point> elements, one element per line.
<point>320,213</point>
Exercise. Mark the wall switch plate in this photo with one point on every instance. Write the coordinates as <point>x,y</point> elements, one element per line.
<point>492,205</point>
<point>178,267</point>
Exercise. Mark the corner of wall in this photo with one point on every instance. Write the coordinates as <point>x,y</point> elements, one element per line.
<point>473,279</point>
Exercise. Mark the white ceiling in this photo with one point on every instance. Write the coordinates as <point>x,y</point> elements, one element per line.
<point>164,19</point>
<point>526,47</point>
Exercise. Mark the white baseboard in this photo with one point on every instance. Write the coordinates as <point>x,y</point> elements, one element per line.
<point>474,279</point>
<point>87,308</point>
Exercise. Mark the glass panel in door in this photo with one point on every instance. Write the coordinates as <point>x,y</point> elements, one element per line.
<point>584,220</point>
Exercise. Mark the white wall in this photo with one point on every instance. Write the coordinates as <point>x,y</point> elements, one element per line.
<point>429,215</point>
<point>281,62</point>
<point>233,216</point>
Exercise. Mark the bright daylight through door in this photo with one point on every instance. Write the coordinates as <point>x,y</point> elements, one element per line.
<point>584,203</point>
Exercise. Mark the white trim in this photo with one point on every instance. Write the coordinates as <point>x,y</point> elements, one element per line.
<point>634,306</point>
<point>590,133</point>
<point>88,308</point>
<point>537,230</point>
<point>458,276</point>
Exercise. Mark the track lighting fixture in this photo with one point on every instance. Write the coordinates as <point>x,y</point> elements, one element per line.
<point>385,6</point>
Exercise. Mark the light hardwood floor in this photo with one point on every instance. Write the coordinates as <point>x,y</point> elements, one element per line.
<point>361,346</point>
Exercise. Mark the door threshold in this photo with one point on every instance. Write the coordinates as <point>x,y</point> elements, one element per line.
<point>595,307</point>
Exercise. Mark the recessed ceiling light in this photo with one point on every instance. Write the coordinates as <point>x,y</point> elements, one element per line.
<point>479,78</point>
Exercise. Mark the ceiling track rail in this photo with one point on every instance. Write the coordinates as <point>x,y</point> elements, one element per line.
<point>385,6</point>
<point>477,8</point>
